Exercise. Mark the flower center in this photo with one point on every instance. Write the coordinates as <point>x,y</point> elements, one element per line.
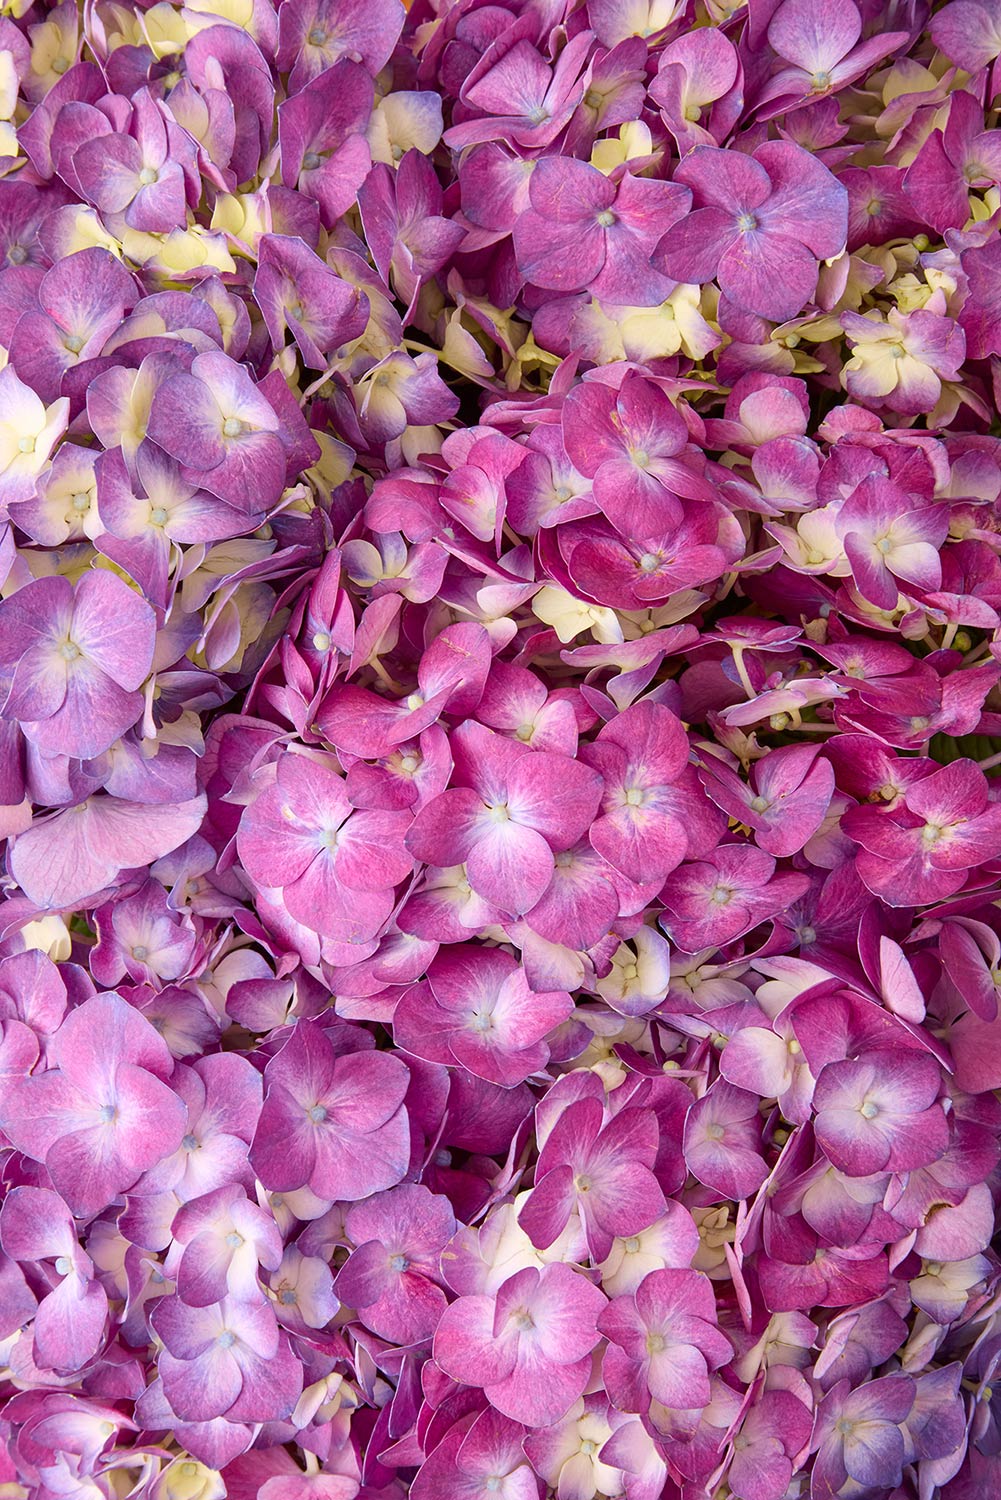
<point>746,223</point>
<point>606,218</point>
<point>317,1114</point>
<point>398,1262</point>
<point>233,427</point>
<point>148,176</point>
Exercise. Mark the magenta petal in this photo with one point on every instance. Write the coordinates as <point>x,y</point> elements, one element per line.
<point>70,1324</point>
<point>538,1391</point>
<point>768,274</point>
<point>510,866</point>
<point>203,1388</point>
<point>464,1343</point>
<point>187,423</point>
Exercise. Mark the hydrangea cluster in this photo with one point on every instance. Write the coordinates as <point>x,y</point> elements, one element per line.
<point>500,663</point>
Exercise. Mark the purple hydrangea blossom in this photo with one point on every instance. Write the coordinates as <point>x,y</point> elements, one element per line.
<point>760,225</point>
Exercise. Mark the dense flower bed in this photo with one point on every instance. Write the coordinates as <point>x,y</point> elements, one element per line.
<point>500,647</point>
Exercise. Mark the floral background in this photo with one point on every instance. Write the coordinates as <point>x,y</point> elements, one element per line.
<point>500,644</point>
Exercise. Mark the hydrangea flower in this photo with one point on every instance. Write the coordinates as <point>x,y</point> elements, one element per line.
<point>529,1346</point>
<point>102,1113</point>
<point>74,660</point>
<point>345,1115</point>
<point>760,224</point>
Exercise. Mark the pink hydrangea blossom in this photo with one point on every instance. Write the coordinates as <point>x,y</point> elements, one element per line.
<point>529,1346</point>
<point>761,224</point>
<point>345,1115</point>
